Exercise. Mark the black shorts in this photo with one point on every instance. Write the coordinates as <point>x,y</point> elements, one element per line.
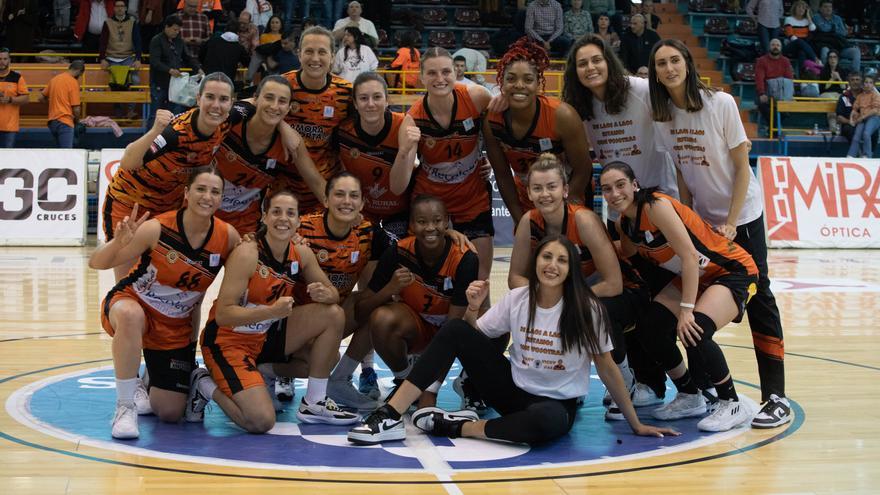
<point>742,287</point>
<point>481,226</point>
<point>273,348</point>
<point>170,369</point>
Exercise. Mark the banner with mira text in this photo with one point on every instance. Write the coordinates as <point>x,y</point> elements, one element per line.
<point>43,197</point>
<point>821,202</point>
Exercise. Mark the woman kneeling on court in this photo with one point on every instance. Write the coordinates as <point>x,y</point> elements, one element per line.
<point>558,327</point>
<point>256,300</point>
<point>176,256</point>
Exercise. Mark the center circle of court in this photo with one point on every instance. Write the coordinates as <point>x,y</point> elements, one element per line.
<point>78,406</point>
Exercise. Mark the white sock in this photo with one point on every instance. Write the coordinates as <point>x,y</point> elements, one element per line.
<point>626,373</point>
<point>434,387</point>
<point>405,372</point>
<point>267,370</point>
<point>125,390</point>
<point>367,361</point>
<point>344,368</point>
<point>316,390</point>
<point>207,387</point>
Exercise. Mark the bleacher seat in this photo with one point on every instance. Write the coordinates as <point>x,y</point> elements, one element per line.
<point>434,17</point>
<point>703,5</point>
<point>744,72</point>
<point>467,17</point>
<point>478,40</point>
<point>445,39</point>
<point>868,50</point>
<point>716,25</point>
<point>733,7</point>
<point>747,27</point>
<point>384,41</point>
<point>398,35</point>
<point>402,16</point>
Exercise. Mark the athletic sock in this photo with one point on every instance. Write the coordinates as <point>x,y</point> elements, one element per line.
<point>726,390</point>
<point>404,372</point>
<point>207,387</point>
<point>125,390</point>
<point>316,391</point>
<point>685,383</point>
<point>344,368</point>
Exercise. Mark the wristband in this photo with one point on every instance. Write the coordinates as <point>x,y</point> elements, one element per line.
<point>687,305</point>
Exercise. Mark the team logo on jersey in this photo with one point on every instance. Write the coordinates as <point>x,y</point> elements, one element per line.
<point>354,153</point>
<point>376,191</point>
<point>191,156</point>
<point>430,142</point>
<point>264,271</point>
<point>323,255</point>
<point>230,155</point>
<point>294,107</point>
<point>172,257</point>
<point>354,256</point>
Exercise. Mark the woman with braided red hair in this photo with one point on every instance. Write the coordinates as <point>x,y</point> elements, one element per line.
<point>530,125</point>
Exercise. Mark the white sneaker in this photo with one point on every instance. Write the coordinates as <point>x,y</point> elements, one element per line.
<point>125,421</point>
<point>711,396</point>
<point>729,415</point>
<point>195,401</point>
<point>283,389</point>
<point>682,406</point>
<point>438,422</point>
<point>344,392</point>
<point>325,411</point>
<point>378,427</point>
<point>142,399</point>
<point>271,387</point>
<point>613,413</point>
<point>644,395</point>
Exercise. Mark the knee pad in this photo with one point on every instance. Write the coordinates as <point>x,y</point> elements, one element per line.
<point>705,323</point>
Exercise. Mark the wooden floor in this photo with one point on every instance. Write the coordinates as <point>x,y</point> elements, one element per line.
<point>830,302</point>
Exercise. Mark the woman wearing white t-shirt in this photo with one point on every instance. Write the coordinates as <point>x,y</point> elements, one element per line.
<point>558,328</point>
<point>354,56</point>
<point>703,132</point>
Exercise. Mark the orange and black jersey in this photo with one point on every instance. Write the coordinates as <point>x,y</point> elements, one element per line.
<point>342,259</point>
<point>370,159</point>
<point>170,280</point>
<point>541,137</point>
<point>435,287</point>
<point>717,255</point>
<point>158,185</point>
<point>315,114</point>
<point>271,280</point>
<point>449,157</point>
<point>246,175</point>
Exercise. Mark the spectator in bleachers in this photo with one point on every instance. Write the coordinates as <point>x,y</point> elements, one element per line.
<point>64,103</point>
<point>600,7</point>
<point>648,12</point>
<point>248,32</point>
<point>281,55</point>
<point>604,30</point>
<point>642,72</point>
<point>13,94</point>
<point>20,18</point>
<point>773,78</point>
<point>475,61</point>
<point>460,65</point>
<point>151,13</point>
<point>260,11</point>
<point>90,21</point>
<point>832,71</point>
<point>274,31</point>
<point>544,24</point>
<point>797,28</point>
<point>61,11</point>
<point>865,117</point>
<point>167,56</point>
<point>578,21</point>
<point>354,19</point>
<point>636,44</point>
<point>845,105</point>
<point>120,47</point>
<point>224,53</point>
<point>354,55</point>
<point>767,13</point>
<point>213,9</point>
<point>830,34</point>
<point>408,59</point>
<point>195,28</point>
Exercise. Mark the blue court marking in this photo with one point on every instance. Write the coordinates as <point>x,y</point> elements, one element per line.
<point>81,407</point>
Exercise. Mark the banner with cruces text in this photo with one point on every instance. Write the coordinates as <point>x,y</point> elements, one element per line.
<point>43,197</point>
<point>110,158</point>
<point>821,202</point>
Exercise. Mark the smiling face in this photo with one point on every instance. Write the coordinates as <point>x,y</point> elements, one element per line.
<point>671,67</point>
<point>617,189</point>
<point>215,101</point>
<point>552,265</point>
<point>520,84</point>
<point>273,103</point>
<point>592,67</point>
<point>547,190</point>
<point>345,201</point>
<point>438,76</point>
<point>428,223</point>
<point>315,55</point>
<point>370,101</point>
<point>203,196</point>
<point>281,217</point>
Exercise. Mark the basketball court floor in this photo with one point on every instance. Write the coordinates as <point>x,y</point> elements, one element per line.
<point>56,388</point>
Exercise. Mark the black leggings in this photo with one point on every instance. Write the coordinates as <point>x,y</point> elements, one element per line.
<point>525,418</point>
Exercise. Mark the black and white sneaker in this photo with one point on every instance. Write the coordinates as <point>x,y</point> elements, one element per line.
<point>196,402</point>
<point>325,411</point>
<point>470,398</point>
<point>284,389</point>
<point>775,412</point>
<point>613,413</point>
<point>440,423</point>
<point>379,426</point>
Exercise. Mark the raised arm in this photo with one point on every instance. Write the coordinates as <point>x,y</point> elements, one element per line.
<point>133,156</point>
<point>408,137</point>
<point>133,236</point>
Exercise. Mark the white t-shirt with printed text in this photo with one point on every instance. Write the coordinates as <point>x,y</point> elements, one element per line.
<point>700,144</point>
<point>537,362</point>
